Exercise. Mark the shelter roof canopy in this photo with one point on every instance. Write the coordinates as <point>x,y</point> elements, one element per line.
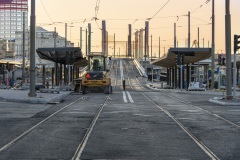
<point>67,55</point>
<point>191,55</point>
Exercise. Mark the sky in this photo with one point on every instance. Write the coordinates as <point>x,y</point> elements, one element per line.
<point>119,13</point>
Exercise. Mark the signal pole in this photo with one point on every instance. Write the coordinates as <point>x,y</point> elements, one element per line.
<point>213,45</point>
<point>228,51</point>
<point>236,47</point>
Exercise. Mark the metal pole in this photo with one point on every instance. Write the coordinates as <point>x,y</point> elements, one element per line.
<point>228,51</point>
<point>65,35</point>
<point>81,38</point>
<point>23,50</point>
<point>151,48</point>
<point>175,39</point>
<point>114,45</point>
<point>145,50</point>
<point>89,37</point>
<point>133,49</point>
<point>104,37</point>
<point>126,49</point>
<point>189,29</point>
<point>152,75</point>
<point>181,84</point>
<point>32,92</point>
<point>234,77</point>
<point>219,77</point>
<point>198,38</point>
<point>159,50</point>
<point>86,44</point>
<point>147,38</point>
<point>56,64</point>
<point>129,40</point>
<point>213,45</point>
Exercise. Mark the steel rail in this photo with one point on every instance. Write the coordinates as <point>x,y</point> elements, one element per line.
<point>190,134</point>
<point>206,111</point>
<point>11,143</point>
<point>194,106</point>
<point>84,141</point>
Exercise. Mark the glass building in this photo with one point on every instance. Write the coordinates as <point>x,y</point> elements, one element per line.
<point>11,18</point>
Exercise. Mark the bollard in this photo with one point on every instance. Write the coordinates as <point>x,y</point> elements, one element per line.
<point>47,85</point>
<point>161,85</point>
<point>123,85</point>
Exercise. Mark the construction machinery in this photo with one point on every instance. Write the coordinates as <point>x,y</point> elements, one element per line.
<point>95,76</point>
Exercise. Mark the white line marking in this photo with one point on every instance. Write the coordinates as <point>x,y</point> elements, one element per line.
<point>130,97</point>
<point>124,97</point>
<point>234,110</point>
<point>116,112</point>
<point>144,115</point>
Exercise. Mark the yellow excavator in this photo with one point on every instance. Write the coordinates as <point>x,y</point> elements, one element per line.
<point>96,74</point>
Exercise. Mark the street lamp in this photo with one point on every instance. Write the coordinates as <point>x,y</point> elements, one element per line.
<point>32,92</point>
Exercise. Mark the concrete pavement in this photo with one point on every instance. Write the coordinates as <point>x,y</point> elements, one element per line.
<point>50,96</point>
<point>22,96</point>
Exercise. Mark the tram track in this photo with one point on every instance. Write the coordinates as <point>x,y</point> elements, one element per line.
<point>24,134</point>
<point>84,141</point>
<point>132,81</point>
<point>209,152</point>
<point>196,107</point>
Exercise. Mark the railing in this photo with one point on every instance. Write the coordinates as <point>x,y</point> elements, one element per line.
<point>141,70</point>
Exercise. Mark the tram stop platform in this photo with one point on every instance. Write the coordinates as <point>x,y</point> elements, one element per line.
<point>216,96</point>
<point>43,96</point>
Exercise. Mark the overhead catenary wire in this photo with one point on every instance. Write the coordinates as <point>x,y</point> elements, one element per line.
<point>159,10</point>
<point>46,11</point>
<point>135,19</point>
<point>206,2</point>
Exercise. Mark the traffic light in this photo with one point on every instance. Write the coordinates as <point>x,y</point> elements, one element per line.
<point>219,59</point>
<point>223,61</point>
<point>178,59</point>
<point>236,42</point>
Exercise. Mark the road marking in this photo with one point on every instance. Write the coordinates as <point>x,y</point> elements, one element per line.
<point>186,119</point>
<point>116,112</point>
<point>74,112</point>
<point>234,110</point>
<point>130,97</point>
<point>191,111</point>
<point>124,97</point>
<point>144,115</point>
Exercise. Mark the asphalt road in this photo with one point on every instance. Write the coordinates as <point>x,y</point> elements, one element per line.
<point>138,123</point>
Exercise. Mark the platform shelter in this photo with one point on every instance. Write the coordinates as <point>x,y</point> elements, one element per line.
<point>67,63</point>
<point>184,58</point>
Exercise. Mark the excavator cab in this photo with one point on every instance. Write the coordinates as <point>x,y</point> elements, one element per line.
<point>97,63</point>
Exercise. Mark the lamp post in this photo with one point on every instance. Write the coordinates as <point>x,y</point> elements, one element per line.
<point>32,92</point>
<point>213,44</point>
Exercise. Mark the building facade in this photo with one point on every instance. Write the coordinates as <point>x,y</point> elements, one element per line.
<point>44,39</point>
<point>13,15</point>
